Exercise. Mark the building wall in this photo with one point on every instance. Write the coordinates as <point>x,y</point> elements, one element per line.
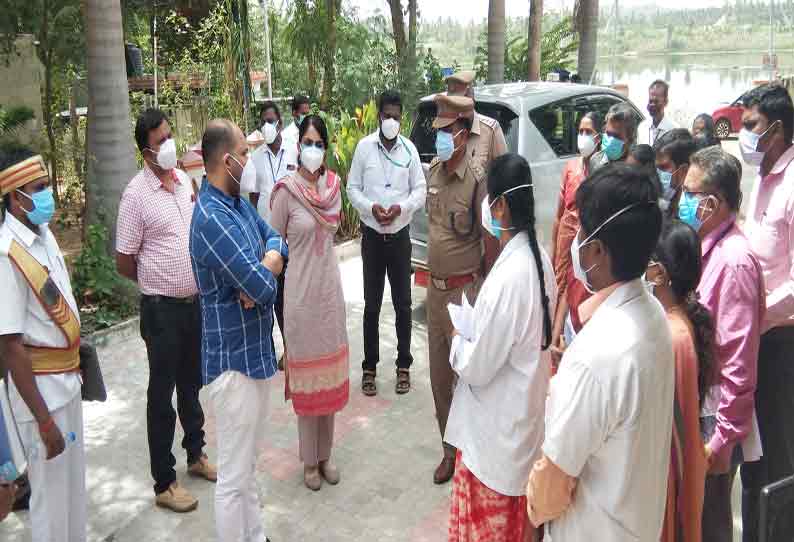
<point>21,77</point>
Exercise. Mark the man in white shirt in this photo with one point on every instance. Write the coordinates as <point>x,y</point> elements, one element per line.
<point>40,342</point>
<point>300,108</point>
<point>273,161</point>
<point>658,124</point>
<point>606,454</point>
<point>387,186</point>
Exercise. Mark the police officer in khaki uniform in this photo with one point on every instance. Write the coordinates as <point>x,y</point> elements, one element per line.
<point>456,188</point>
<point>487,138</point>
<point>486,142</point>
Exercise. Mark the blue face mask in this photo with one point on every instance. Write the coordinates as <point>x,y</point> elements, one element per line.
<point>666,179</point>
<point>43,206</point>
<point>688,210</point>
<point>612,147</point>
<point>445,145</point>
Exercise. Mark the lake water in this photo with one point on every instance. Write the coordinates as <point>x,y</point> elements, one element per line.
<point>698,82</point>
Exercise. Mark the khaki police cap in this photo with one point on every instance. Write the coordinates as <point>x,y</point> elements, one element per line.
<point>452,108</point>
<point>464,77</point>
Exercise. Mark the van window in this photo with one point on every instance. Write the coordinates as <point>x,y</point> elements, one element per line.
<point>556,122</point>
<point>424,136</point>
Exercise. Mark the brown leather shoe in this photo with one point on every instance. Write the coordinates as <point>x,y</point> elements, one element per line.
<point>444,471</point>
<point>203,469</point>
<point>177,499</point>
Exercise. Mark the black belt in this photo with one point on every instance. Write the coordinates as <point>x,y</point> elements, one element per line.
<point>384,236</point>
<point>170,300</point>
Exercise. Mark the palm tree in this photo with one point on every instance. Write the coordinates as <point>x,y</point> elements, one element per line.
<point>586,20</point>
<point>110,153</point>
<point>496,41</point>
<point>332,11</point>
<point>535,35</point>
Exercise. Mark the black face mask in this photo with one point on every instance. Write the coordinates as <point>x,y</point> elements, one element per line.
<point>653,109</point>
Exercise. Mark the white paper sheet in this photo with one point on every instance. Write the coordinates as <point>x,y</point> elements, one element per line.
<point>462,317</point>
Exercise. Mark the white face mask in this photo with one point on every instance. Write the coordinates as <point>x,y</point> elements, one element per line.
<point>270,132</point>
<point>247,179</point>
<point>491,225</point>
<point>390,128</point>
<point>578,271</point>
<point>586,144</point>
<point>312,158</point>
<point>166,156</point>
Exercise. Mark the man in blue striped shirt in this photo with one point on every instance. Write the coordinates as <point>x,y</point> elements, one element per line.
<point>236,256</point>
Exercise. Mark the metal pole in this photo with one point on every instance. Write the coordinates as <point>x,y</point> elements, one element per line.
<point>156,104</point>
<point>771,42</point>
<point>263,3</point>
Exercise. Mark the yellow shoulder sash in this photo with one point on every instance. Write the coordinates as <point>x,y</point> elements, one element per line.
<point>49,360</point>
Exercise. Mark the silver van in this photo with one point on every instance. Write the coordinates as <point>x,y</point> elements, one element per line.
<point>540,122</point>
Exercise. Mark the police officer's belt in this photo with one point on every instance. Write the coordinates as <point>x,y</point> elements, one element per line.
<point>49,360</point>
<point>452,283</point>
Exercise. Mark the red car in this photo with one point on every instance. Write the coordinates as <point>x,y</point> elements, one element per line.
<point>728,118</point>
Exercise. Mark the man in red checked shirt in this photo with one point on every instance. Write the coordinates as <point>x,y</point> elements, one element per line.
<point>152,240</point>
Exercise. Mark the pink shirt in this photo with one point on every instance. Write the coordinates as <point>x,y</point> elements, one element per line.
<point>770,229</point>
<point>731,288</point>
<point>154,226</point>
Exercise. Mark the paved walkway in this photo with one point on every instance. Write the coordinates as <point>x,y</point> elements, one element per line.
<point>386,448</point>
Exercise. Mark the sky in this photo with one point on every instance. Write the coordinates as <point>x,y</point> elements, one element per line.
<point>465,10</point>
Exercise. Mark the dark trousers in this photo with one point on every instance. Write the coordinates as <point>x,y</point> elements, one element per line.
<point>172,333</point>
<point>278,307</point>
<point>774,407</point>
<point>386,255</point>
<point>717,523</point>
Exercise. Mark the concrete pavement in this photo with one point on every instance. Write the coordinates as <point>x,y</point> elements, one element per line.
<point>386,448</point>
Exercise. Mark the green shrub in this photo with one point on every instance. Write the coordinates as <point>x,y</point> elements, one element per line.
<point>103,296</point>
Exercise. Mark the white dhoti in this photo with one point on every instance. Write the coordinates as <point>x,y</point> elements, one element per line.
<point>58,493</point>
<point>241,406</point>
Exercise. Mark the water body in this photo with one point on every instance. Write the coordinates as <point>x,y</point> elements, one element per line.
<point>698,82</point>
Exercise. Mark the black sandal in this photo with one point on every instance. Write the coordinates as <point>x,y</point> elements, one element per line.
<point>368,385</point>
<point>403,384</point>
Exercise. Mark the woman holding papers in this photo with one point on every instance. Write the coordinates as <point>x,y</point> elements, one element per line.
<point>496,420</point>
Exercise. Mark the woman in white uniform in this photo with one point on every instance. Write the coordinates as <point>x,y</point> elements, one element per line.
<point>496,420</point>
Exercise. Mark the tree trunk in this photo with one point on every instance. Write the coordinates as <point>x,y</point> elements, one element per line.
<point>48,122</point>
<point>409,80</point>
<point>398,26</point>
<point>588,42</point>
<point>326,98</point>
<point>110,154</point>
<point>44,52</point>
<point>496,41</point>
<point>74,126</point>
<point>535,34</point>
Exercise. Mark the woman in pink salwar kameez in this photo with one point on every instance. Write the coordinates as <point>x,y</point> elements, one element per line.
<point>306,209</point>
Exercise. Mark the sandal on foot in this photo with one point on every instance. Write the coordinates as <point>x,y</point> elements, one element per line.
<point>403,384</point>
<point>368,385</point>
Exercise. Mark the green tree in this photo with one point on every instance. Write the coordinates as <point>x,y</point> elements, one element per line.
<point>558,48</point>
<point>405,46</point>
<point>58,30</point>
